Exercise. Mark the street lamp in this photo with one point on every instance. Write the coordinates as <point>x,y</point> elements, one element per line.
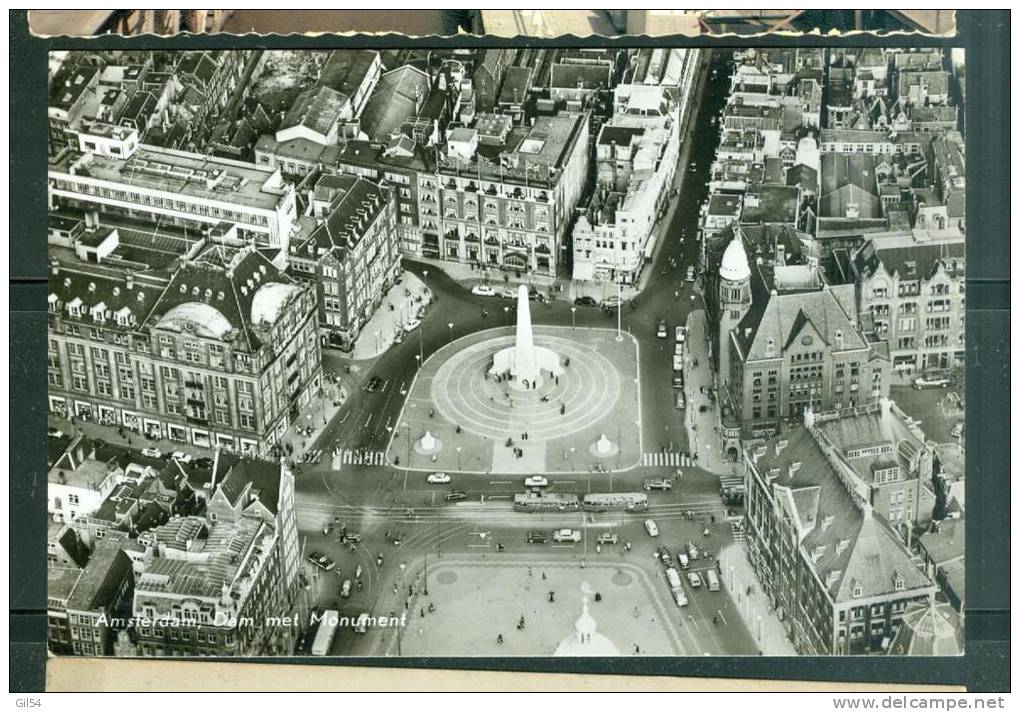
<point>458,449</point>
<point>573,314</point>
<point>417,360</point>
<point>619,308</point>
<point>450,326</point>
<point>506,315</point>
<point>407,427</point>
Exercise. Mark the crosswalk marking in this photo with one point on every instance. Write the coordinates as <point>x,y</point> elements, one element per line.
<point>666,459</point>
<point>362,457</point>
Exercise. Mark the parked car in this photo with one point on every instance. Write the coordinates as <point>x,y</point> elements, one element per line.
<point>586,302</point>
<point>665,556</point>
<point>345,589</point>
<point>538,537</point>
<point>573,535</point>
<point>694,579</point>
<point>922,382</point>
<point>321,560</point>
<point>536,481</point>
<point>438,478</point>
<point>152,452</point>
<point>684,562</point>
<point>412,325</point>
<point>182,456</point>
<point>662,332</point>
<point>690,274</point>
<point>455,496</point>
<point>651,527</point>
<point>680,597</point>
<point>204,462</point>
<point>678,349</point>
<point>678,379</point>
<point>680,402</point>
<point>611,302</point>
<point>350,538</point>
<point>483,290</point>
<point>681,334</point>
<point>607,538</point>
<point>362,625</point>
<point>693,551</point>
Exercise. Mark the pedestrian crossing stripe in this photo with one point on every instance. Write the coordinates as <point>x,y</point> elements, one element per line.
<point>362,457</point>
<point>667,459</point>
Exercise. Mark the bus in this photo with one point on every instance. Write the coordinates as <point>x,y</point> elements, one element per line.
<point>538,501</point>
<point>324,635</point>
<point>606,501</point>
<point>713,579</point>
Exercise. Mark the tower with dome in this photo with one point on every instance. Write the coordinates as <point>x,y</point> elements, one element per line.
<point>734,298</point>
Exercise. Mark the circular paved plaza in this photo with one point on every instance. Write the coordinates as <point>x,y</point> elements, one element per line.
<point>489,425</point>
<point>465,393</point>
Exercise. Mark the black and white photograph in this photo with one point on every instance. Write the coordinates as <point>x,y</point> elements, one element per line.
<point>501,352</point>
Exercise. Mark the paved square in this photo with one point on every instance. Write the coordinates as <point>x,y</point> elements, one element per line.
<point>476,601</point>
<point>504,428</point>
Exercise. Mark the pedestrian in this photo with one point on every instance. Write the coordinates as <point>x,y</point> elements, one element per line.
<point>499,638</point>
<point>637,649</point>
<point>543,575</point>
<point>529,572</point>
<point>552,596</point>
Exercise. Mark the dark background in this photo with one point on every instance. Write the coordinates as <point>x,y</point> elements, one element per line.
<point>985,37</point>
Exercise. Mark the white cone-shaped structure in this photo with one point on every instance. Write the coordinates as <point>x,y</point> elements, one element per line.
<point>525,361</point>
<point>604,446</point>
<point>525,365</point>
<point>427,442</point>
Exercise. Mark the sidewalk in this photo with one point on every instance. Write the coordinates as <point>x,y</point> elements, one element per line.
<point>130,439</point>
<point>753,605</point>
<point>403,302</point>
<point>316,415</point>
<point>702,428</point>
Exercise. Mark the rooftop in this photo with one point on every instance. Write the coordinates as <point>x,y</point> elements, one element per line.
<point>317,109</point>
<point>768,203</point>
<point>396,98</point>
<point>178,172</point>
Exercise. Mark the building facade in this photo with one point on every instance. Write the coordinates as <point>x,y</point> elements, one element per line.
<point>352,255</point>
<point>222,352</point>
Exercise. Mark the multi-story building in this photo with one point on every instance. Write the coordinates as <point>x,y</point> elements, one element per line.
<point>505,205</point>
<point>950,175</point>
<point>85,606</point>
<point>636,156</point>
<point>912,294</point>
<point>837,574</point>
<point>78,483</point>
<point>201,341</point>
<point>352,255</point>
<point>788,341</point>
<point>188,190</point>
<point>223,584</point>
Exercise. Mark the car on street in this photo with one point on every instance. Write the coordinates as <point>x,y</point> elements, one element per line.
<point>684,562</point>
<point>564,535</point>
<point>607,538</point>
<point>438,478</point>
<point>678,363</point>
<point>678,349</point>
<point>375,384</point>
<point>345,589</point>
<point>659,483</point>
<point>586,302</point>
<point>922,382</point>
<point>455,496</point>
<point>693,551</point>
<point>538,537</point>
<point>662,332</point>
<point>681,334</point>
<point>204,462</point>
<point>665,556</point>
<point>412,325</point>
<point>362,624</point>
<point>321,560</point>
<point>651,527</point>
<point>350,538</point>
<point>694,579</point>
<point>957,430</point>
<point>536,481</point>
<point>690,274</point>
<point>680,597</point>
<point>152,452</point>
<point>678,379</point>
<point>483,290</point>
<point>680,402</point>
<point>182,456</point>
<point>611,302</point>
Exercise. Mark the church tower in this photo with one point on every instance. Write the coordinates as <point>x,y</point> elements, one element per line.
<point>734,298</point>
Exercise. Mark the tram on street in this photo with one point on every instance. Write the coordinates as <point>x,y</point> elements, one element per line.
<point>609,501</point>
<point>538,501</point>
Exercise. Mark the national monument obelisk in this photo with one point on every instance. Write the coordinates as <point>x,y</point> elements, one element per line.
<point>524,361</point>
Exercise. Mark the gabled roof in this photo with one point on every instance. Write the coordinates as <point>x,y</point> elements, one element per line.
<point>397,98</point>
<point>343,227</point>
<point>318,109</point>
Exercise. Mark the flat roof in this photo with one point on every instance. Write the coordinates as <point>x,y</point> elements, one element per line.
<point>189,174</point>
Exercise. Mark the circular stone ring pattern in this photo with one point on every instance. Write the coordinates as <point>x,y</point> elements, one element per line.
<point>467,396</point>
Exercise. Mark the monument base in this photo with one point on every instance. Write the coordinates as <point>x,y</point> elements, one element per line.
<point>504,362</point>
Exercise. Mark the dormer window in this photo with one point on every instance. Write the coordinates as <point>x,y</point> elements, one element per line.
<point>858,591</point>
<point>74,307</point>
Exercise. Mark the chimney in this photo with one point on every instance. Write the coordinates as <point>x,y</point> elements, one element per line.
<point>55,266</point>
<point>129,281</point>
